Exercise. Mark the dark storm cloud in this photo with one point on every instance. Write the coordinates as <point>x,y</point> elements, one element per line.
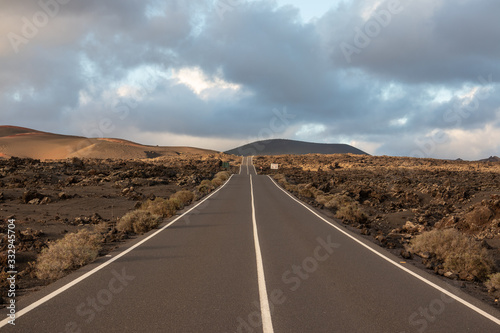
<point>420,41</point>
<point>417,72</point>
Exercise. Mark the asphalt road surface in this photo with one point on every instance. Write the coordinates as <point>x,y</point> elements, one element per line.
<point>251,258</point>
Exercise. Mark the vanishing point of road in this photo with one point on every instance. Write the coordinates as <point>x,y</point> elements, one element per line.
<point>251,258</point>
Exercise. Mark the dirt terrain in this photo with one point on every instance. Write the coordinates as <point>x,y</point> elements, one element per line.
<point>29,143</point>
<point>391,200</point>
<point>53,198</point>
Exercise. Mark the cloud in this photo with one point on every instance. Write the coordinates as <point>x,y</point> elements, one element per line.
<point>418,41</point>
<point>201,85</point>
<point>178,70</point>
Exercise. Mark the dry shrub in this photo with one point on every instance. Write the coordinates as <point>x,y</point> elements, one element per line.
<point>69,253</point>
<point>216,182</point>
<point>457,252</point>
<point>323,199</point>
<point>220,178</point>
<point>304,190</point>
<point>101,227</point>
<point>316,193</point>
<point>345,207</point>
<point>351,212</point>
<point>223,176</point>
<point>493,284</point>
<point>182,198</point>
<point>308,191</point>
<point>160,206</point>
<point>280,178</point>
<point>138,221</point>
<point>205,186</point>
<point>336,201</point>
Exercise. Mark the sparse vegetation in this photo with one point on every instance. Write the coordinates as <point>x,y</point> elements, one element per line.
<point>493,284</point>
<point>223,175</point>
<point>345,208</point>
<point>205,187</point>
<point>138,221</point>
<point>305,190</point>
<point>280,178</point>
<point>160,206</point>
<point>181,199</point>
<point>118,186</point>
<point>69,253</point>
<point>147,216</point>
<point>351,212</point>
<point>457,252</point>
<point>335,201</point>
<point>396,199</point>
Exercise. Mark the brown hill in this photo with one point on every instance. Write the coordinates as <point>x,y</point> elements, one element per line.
<point>25,142</point>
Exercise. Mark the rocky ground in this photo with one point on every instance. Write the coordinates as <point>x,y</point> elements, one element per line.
<point>399,198</point>
<point>396,199</point>
<point>50,199</point>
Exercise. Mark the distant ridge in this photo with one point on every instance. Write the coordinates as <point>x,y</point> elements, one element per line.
<point>25,142</point>
<point>292,147</point>
<point>491,159</point>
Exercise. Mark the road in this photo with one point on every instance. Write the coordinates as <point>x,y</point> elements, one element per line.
<point>251,258</point>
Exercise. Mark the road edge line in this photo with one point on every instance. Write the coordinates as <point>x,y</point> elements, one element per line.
<point>60,290</point>
<point>421,278</point>
<point>265,311</point>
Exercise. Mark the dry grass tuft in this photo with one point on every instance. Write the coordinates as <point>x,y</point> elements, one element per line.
<point>216,182</point>
<point>351,212</point>
<point>322,199</point>
<point>223,175</point>
<point>336,201</point>
<point>305,190</point>
<point>280,178</point>
<point>458,252</point>
<point>182,199</point>
<point>493,284</point>
<point>160,206</point>
<point>220,178</point>
<point>138,221</point>
<point>69,253</point>
<point>205,187</point>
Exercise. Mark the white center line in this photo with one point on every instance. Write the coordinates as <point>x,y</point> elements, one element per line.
<point>267,324</point>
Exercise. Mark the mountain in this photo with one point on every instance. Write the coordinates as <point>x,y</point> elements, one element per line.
<point>491,159</point>
<point>26,142</point>
<point>282,147</point>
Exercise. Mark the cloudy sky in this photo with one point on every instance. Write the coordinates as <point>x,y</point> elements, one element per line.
<point>407,77</point>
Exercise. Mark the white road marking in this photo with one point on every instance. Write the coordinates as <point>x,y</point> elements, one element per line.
<point>267,324</point>
<point>98,268</point>
<point>251,162</point>
<point>452,295</point>
<point>248,171</point>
